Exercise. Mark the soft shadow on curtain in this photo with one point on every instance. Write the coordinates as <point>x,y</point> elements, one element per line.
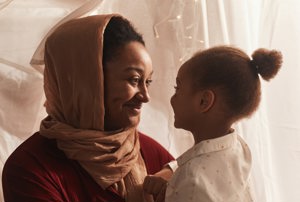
<point>173,31</point>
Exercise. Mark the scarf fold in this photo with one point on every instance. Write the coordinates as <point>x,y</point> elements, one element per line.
<point>74,89</point>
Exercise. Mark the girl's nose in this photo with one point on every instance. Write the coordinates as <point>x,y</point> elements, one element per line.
<point>172,100</point>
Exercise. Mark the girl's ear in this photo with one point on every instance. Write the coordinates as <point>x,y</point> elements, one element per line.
<point>206,100</point>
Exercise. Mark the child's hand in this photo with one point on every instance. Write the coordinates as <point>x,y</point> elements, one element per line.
<point>157,184</point>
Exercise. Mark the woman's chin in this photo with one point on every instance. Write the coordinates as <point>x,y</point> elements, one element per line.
<point>134,121</point>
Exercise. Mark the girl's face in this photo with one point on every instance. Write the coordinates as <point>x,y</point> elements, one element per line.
<point>127,78</point>
<point>183,100</point>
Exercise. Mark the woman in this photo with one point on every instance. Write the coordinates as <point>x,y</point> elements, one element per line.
<point>96,78</point>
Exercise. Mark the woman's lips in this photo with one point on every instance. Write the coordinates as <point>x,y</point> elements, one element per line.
<point>134,108</point>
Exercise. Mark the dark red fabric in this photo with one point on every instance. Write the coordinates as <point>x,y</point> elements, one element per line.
<point>38,171</point>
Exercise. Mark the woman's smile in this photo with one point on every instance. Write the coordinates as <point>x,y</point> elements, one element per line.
<point>134,108</point>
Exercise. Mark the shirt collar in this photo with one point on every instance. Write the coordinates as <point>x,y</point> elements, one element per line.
<point>208,146</point>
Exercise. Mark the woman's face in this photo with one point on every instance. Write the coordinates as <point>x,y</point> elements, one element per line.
<point>127,78</point>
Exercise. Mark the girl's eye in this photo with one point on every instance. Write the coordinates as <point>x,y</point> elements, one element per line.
<point>176,88</point>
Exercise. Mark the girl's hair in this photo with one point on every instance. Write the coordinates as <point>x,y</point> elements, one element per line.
<point>235,74</point>
<point>118,32</point>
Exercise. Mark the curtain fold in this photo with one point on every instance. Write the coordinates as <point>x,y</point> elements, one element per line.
<point>173,31</point>
<point>5,3</point>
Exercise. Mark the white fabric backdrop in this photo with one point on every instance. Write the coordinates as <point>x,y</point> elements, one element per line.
<point>173,30</point>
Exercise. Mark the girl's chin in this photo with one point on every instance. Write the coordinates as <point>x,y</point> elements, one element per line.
<point>177,125</point>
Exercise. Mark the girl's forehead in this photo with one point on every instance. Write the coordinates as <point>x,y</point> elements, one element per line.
<point>183,70</point>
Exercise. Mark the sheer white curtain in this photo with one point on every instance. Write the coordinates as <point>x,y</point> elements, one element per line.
<point>173,30</point>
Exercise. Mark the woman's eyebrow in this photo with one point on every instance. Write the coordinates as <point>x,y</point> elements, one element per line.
<point>137,69</point>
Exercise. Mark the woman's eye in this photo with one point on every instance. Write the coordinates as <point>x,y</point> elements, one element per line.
<point>148,82</point>
<point>134,81</point>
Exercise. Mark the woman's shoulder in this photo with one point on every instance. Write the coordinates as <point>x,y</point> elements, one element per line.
<point>154,154</point>
<point>145,138</point>
<point>38,161</point>
<point>150,144</point>
<point>37,147</point>
<point>36,154</point>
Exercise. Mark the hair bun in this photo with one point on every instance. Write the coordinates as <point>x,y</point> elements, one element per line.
<point>267,62</point>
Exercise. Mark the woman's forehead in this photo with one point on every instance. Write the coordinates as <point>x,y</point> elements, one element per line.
<point>137,69</point>
<point>132,57</point>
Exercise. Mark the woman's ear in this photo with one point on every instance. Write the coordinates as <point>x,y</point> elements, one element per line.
<point>206,100</point>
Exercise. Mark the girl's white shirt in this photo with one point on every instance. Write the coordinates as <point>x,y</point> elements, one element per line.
<point>215,170</point>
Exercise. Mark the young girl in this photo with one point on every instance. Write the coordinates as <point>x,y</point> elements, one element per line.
<point>214,89</point>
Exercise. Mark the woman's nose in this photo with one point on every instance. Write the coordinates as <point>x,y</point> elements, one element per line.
<point>143,94</point>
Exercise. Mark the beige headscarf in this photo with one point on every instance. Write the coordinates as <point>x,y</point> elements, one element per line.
<point>74,88</point>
